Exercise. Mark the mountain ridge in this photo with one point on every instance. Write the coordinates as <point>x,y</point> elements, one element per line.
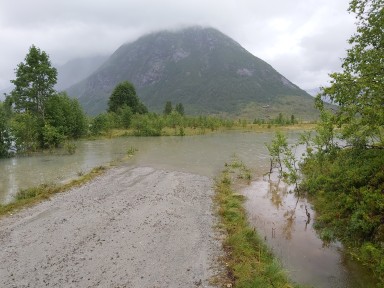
<point>76,70</point>
<point>205,70</point>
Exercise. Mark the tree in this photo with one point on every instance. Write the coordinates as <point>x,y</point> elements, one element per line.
<point>34,83</point>
<point>124,94</point>
<point>180,109</point>
<point>359,88</point>
<point>5,137</point>
<point>66,115</point>
<point>101,123</point>
<point>168,108</point>
<point>125,114</point>
<point>27,132</point>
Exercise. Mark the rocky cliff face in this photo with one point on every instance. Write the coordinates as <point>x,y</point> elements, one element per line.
<point>201,68</point>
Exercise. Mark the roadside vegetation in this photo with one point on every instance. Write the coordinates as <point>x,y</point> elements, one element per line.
<point>342,169</point>
<point>33,195</point>
<point>35,117</point>
<point>248,261</point>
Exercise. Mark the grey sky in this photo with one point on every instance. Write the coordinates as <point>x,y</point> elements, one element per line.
<point>302,39</point>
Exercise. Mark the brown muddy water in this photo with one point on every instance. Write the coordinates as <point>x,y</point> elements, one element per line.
<point>282,220</point>
<point>272,211</point>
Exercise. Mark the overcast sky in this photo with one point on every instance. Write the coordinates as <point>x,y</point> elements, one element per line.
<point>302,39</point>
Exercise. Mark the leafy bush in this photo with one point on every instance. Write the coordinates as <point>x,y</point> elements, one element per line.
<point>147,125</point>
<point>347,191</point>
<point>101,123</point>
<point>52,137</point>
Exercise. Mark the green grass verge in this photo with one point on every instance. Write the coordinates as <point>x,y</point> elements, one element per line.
<point>33,195</point>
<point>248,260</point>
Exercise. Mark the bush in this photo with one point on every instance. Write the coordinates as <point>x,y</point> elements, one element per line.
<point>101,123</point>
<point>52,137</point>
<point>147,125</point>
<point>347,190</point>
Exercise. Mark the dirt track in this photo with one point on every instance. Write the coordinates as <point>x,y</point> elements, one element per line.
<point>132,227</point>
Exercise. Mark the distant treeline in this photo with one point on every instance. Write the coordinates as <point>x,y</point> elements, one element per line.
<point>35,117</point>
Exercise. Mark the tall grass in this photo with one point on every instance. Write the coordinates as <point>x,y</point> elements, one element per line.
<point>248,260</point>
<point>33,195</point>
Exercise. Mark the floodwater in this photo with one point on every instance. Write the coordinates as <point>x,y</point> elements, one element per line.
<point>204,155</point>
<point>272,211</point>
<point>282,219</point>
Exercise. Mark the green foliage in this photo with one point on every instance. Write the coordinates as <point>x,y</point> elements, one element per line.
<point>147,125</point>
<point>356,179</point>
<point>284,159</point>
<point>280,120</point>
<point>124,94</point>
<point>358,89</point>
<point>131,151</point>
<point>374,256</point>
<point>276,149</point>
<point>125,116</point>
<point>52,137</point>
<point>249,262</point>
<point>179,109</point>
<point>168,108</point>
<point>66,115</point>
<point>347,188</point>
<point>27,193</point>
<point>70,147</point>
<point>34,83</point>
<point>181,131</point>
<point>152,124</point>
<point>42,192</point>
<point>26,129</point>
<point>101,123</point>
<point>37,116</point>
<point>325,136</point>
<point>174,120</point>
<point>5,136</point>
<point>347,183</point>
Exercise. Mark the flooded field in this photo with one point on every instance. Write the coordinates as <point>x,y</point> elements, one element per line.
<point>278,215</point>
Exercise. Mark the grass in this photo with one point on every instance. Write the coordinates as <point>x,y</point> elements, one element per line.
<point>189,131</point>
<point>34,195</point>
<point>248,260</point>
<point>132,151</point>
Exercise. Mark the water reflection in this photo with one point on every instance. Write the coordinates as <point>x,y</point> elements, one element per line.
<point>285,222</point>
<point>203,155</point>
<point>278,215</point>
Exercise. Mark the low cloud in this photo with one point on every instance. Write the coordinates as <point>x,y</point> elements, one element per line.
<point>303,39</point>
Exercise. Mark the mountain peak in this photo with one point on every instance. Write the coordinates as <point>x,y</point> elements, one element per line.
<point>200,67</point>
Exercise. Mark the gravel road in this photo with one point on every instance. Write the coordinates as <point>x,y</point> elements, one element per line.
<point>131,227</point>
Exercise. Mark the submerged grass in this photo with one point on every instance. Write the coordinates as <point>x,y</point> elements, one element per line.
<point>30,196</point>
<point>190,131</point>
<point>248,260</point>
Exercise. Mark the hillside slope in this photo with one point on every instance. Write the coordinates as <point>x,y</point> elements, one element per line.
<point>201,68</point>
<point>76,70</point>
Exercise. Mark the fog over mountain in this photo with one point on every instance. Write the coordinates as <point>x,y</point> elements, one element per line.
<point>76,70</point>
<point>303,40</point>
<point>205,70</point>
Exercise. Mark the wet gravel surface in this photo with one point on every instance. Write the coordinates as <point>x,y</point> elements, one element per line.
<point>131,227</point>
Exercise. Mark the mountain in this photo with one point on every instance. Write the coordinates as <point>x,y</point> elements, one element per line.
<point>201,68</point>
<point>76,70</point>
<point>313,92</point>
